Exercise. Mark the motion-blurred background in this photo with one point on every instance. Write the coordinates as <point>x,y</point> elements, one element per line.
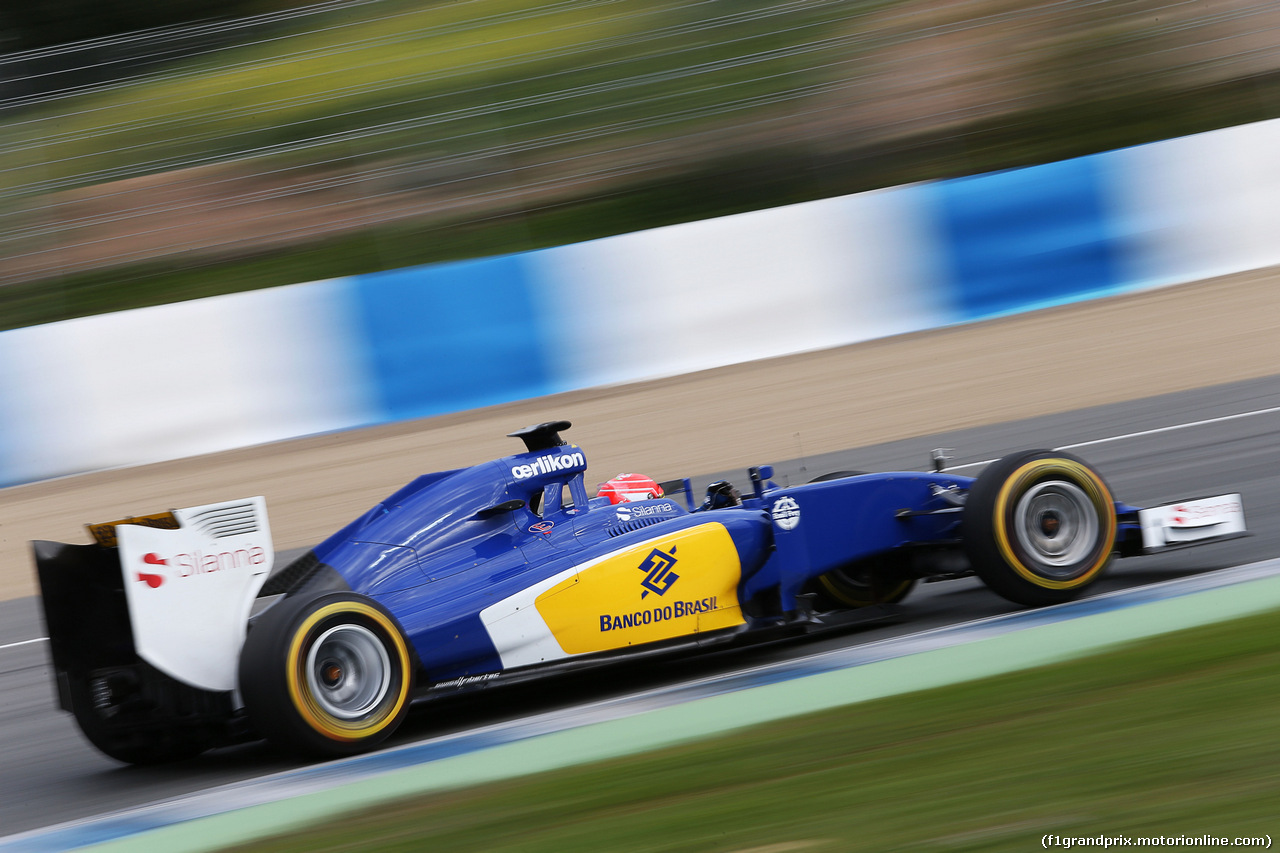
<point>156,152</point>
<point>357,145</point>
<point>225,224</point>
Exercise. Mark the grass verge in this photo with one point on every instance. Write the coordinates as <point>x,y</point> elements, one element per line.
<point>1176,735</point>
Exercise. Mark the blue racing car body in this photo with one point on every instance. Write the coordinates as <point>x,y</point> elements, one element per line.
<point>461,557</point>
<point>509,568</point>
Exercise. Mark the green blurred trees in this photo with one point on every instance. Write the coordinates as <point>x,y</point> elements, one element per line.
<point>359,135</point>
<point>43,23</point>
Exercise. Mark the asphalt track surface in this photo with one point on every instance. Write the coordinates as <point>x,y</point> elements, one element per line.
<point>1208,441</point>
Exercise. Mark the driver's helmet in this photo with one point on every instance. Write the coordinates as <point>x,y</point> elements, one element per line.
<point>625,488</point>
<point>721,494</point>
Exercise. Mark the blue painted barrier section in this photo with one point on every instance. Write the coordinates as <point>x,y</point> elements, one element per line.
<point>264,366</point>
<point>450,337</point>
<point>1028,237</point>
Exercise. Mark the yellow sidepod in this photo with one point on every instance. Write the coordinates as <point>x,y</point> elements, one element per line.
<point>667,587</point>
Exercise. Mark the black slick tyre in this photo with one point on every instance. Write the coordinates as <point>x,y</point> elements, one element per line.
<point>863,584</point>
<point>136,744</point>
<point>836,475</point>
<point>1039,527</point>
<point>326,675</point>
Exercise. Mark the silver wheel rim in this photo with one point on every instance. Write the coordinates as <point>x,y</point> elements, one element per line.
<point>348,671</point>
<point>1057,524</point>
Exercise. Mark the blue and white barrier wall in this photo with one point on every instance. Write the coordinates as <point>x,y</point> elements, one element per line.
<point>213,374</point>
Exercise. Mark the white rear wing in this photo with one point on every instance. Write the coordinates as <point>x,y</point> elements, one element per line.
<point>1192,522</point>
<point>190,590</point>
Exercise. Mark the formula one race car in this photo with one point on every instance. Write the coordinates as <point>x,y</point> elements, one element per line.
<point>170,635</point>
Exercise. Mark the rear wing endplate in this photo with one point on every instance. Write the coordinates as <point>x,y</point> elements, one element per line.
<point>190,589</point>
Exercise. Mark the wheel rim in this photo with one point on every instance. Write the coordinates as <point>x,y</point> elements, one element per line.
<point>348,671</point>
<point>1057,524</point>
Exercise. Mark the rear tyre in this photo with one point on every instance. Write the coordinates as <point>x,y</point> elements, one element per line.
<point>133,742</point>
<point>862,584</point>
<point>836,475</point>
<point>326,675</point>
<point>1039,527</point>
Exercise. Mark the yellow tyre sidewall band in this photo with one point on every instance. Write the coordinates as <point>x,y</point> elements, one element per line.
<point>1075,473</point>
<point>844,597</point>
<point>311,713</point>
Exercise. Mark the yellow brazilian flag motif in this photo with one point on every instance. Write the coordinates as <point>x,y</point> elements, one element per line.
<point>668,587</point>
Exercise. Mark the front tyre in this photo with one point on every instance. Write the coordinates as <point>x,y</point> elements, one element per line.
<point>326,675</point>
<point>863,584</point>
<point>1039,527</point>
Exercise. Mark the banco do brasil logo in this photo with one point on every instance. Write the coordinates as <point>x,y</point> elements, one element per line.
<point>658,576</point>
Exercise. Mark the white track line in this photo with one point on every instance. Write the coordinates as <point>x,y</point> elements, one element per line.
<point>23,643</point>
<point>1141,434</point>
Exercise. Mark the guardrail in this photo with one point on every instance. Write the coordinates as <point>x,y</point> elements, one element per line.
<point>213,374</point>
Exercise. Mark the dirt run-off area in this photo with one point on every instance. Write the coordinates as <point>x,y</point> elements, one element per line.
<point>1092,353</point>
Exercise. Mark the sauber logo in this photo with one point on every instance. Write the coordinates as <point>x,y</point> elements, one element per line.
<point>200,563</point>
<point>658,575</point>
<point>548,464</point>
<point>1197,515</point>
<point>543,527</point>
<point>150,579</point>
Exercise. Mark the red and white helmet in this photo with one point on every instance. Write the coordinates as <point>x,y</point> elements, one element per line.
<point>625,488</point>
